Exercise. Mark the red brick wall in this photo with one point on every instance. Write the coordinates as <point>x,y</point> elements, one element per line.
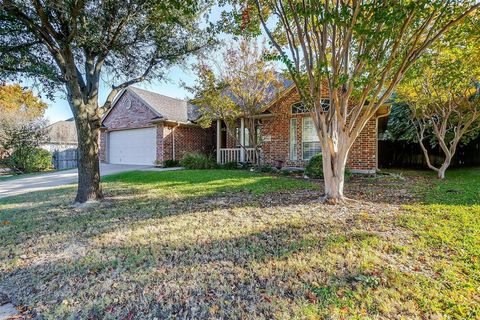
<point>363,154</point>
<point>129,112</point>
<point>102,146</point>
<point>276,135</point>
<point>187,140</point>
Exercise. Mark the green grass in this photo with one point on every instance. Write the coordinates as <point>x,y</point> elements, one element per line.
<point>194,183</point>
<point>447,229</point>
<point>234,244</point>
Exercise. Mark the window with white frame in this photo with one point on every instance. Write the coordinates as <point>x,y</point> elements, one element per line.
<point>310,142</point>
<point>293,139</point>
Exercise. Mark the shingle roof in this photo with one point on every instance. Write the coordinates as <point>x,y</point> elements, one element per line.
<point>182,111</point>
<point>169,108</point>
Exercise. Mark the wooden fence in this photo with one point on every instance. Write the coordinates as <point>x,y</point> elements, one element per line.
<point>409,155</point>
<point>66,159</point>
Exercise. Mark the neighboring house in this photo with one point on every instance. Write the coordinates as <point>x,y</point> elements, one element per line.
<point>62,136</point>
<point>143,127</point>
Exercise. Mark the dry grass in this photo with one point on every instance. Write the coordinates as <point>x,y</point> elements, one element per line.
<point>229,244</point>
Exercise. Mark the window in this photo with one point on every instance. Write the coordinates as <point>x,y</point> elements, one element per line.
<point>310,142</point>
<point>246,136</point>
<point>298,108</point>
<point>293,139</point>
<point>325,103</point>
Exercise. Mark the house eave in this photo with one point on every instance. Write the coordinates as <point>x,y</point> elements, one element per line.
<point>173,123</point>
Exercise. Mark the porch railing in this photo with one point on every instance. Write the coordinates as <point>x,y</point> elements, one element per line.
<point>233,154</point>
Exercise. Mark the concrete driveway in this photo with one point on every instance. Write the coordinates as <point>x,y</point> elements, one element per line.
<point>46,181</point>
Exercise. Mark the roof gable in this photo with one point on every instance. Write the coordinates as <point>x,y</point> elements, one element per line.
<point>168,108</point>
<point>164,107</point>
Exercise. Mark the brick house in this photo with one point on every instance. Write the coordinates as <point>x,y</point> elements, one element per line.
<point>285,129</point>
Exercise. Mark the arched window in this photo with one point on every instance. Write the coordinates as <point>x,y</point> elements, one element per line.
<point>298,108</point>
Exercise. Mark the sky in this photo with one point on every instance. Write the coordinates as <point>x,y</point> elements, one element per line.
<point>58,108</point>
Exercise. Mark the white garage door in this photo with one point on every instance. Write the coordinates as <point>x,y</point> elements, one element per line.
<point>136,146</point>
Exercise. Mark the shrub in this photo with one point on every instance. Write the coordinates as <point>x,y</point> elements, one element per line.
<point>245,165</point>
<point>267,168</point>
<point>197,161</point>
<point>348,174</point>
<point>30,160</point>
<point>231,165</point>
<point>314,167</point>
<point>170,163</point>
<point>289,171</point>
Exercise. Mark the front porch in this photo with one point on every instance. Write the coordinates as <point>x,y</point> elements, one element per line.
<point>225,155</point>
<point>240,153</point>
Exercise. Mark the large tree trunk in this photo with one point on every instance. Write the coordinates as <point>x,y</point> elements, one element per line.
<point>88,161</point>
<point>334,174</point>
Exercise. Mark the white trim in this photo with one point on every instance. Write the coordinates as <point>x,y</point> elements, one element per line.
<point>122,129</point>
<point>293,157</point>
<point>242,139</point>
<point>219,139</point>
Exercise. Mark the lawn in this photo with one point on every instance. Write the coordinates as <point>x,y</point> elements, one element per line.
<point>233,244</point>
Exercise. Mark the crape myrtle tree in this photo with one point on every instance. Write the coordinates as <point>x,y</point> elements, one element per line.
<point>442,91</point>
<point>359,50</point>
<point>75,44</point>
<point>238,86</point>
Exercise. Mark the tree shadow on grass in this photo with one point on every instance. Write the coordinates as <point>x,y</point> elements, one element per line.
<point>204,252</point>
<point>240,276</point>
<point>146,252</point>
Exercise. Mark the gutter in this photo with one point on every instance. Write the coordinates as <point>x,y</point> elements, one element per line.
<point>174,123</point>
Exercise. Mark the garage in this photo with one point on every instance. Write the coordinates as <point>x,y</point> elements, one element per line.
<point>135,146</point>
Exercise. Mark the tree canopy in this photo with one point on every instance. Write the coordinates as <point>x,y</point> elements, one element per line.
<point>442,91</point>
<point>236,87</point>
<point>15,99</point>
<point>357,50</point>
<point>75,45</point>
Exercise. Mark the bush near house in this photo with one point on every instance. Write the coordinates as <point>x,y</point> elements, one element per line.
<point>29,160</point>
<point>314,167</point>
<point>231,165</point>
<point>198,161</point>
<point>170,163</point>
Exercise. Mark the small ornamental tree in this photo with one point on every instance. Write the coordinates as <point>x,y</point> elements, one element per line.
<point>443,93</point>
<point>358,50</point>
<point>15,99</point>
<point>237,87</point>
<point>74,44</point>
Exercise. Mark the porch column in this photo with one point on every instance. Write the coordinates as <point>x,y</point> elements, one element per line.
<point>219,139</point>
<point>242,140</point>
